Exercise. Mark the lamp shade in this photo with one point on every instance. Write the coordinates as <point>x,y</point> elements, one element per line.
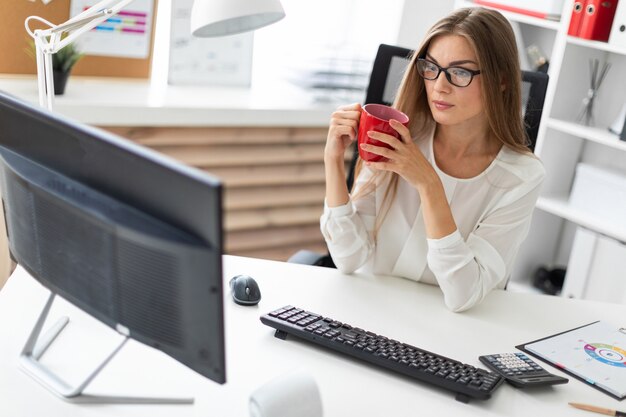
<point>229,17</point>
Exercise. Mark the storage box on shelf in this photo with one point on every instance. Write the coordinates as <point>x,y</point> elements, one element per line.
<point>601,193</point>
<point>592,268</point>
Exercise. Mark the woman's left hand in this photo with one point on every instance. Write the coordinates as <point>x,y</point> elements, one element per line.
<point>405,158</point>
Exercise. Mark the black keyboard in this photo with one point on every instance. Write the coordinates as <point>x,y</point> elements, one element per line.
<point>466,381</point>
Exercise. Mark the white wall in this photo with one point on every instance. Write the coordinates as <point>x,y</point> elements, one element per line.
<point>417,17</point>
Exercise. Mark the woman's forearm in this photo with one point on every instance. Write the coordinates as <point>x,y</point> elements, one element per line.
<point>336,188</point>
<point>438,219</point>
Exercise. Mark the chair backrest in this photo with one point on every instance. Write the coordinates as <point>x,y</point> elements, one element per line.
<point>390,64</point>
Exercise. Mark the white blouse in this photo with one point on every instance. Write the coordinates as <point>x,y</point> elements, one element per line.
<point>492,212</point>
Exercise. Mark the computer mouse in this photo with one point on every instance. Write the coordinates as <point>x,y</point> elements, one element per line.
<point>245,290</point>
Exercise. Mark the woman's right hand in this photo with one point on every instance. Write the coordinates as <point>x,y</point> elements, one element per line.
<point>344,125</point>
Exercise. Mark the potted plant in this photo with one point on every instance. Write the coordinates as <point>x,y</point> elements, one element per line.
<point>62,63</point>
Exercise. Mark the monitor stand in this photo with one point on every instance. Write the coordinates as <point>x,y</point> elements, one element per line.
<point>30,363</point>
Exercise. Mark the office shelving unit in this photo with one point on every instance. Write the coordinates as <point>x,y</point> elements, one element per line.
<point>563,142</point>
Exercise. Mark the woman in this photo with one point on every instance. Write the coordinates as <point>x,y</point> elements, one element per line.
<point>453,201</point>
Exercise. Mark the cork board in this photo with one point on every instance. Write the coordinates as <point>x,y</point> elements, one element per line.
<point>13,41</point>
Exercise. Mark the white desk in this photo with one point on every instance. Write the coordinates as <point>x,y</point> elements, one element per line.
<point>412,313</point>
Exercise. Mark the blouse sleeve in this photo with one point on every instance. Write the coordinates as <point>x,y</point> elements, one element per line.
<point>348,229</point>
<point>467,270</point>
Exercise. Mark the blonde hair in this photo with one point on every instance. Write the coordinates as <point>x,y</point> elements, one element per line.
<point>492,39</point>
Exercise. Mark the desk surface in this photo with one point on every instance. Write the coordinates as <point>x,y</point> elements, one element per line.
<point>119,102</point>
<point>410,312</point>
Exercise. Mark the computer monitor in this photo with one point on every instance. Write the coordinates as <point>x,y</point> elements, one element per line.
<point>126,234</point>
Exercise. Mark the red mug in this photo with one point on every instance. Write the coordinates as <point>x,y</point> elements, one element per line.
<point>376,117</point>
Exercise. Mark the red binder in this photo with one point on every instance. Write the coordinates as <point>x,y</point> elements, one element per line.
<point>597,19</point>
<point>577,14</point>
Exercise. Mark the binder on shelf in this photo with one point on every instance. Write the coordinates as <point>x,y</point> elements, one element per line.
<point>577,14</point>
<point>618,30</point>
<point>597,20</point>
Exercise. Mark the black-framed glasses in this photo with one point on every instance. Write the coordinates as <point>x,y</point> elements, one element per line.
<point>458,76</point>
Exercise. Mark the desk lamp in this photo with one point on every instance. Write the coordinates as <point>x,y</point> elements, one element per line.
<point>51,40</point>
<point>209,18</point>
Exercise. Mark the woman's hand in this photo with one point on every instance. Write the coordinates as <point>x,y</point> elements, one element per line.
<point>405,158</point>
<point>344,125</point>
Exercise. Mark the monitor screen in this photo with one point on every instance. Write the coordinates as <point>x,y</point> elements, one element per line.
<point>124,233</point>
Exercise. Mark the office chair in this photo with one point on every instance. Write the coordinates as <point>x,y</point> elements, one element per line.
<point>389,66</point>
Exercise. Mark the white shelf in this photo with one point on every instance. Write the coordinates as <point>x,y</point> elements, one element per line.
<point>550,240</point>
<point>559,206</point>
<point>517,17</point>
<point>601,46</point>
<point>593,134</point>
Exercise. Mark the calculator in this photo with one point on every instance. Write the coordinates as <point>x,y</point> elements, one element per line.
<point>520,371</point>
